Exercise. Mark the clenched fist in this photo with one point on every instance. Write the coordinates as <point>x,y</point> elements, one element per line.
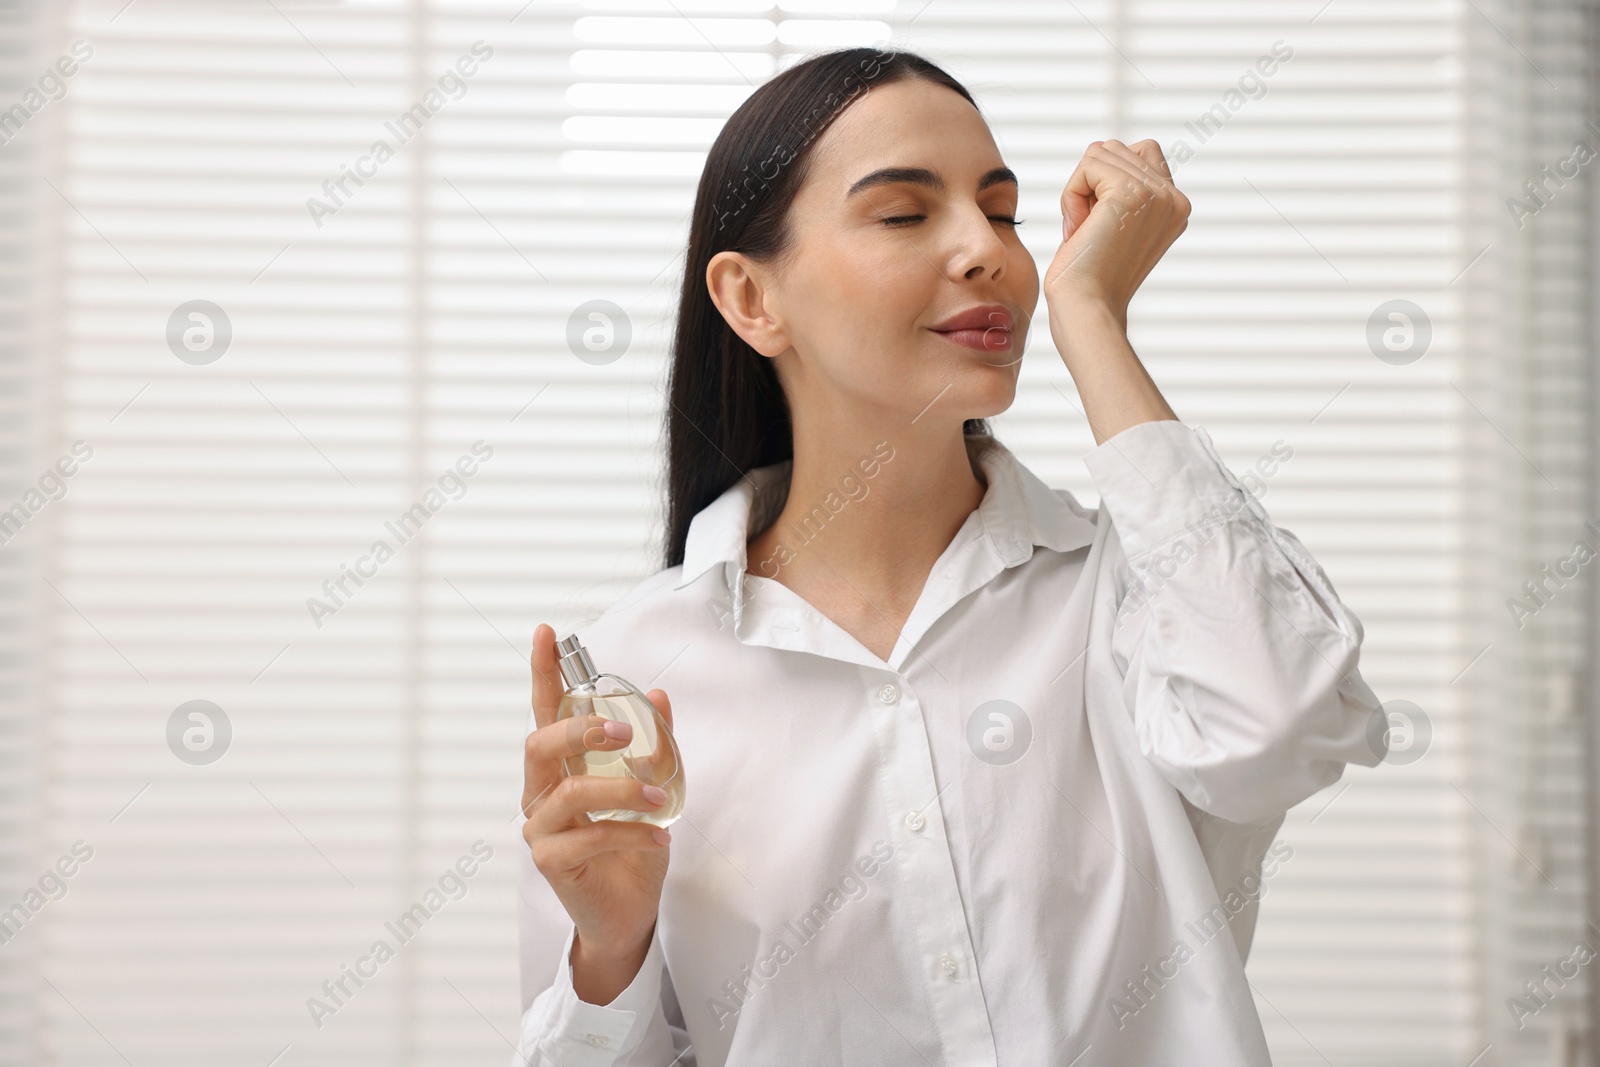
<point>1120,214</point>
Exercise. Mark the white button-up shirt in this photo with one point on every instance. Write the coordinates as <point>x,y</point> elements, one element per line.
<point>1033,835</point>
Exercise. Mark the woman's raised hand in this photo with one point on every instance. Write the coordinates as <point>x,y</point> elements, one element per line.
<point>1120,214</point>
<point>607,874</point>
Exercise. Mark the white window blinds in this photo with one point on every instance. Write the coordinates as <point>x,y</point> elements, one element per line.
<point>398,317</point>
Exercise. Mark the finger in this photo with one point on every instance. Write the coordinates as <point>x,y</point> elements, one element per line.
<point>574,736</point>
<point>1141,182</point>
<point>546,748</point>
<point>1078,196</point>
<point>567,849</point>
<point>569,803</point>
<point>1139,163</point>
<point>658,697</point>
<point>1156,174</point>
<point>547,687</point>
<point>1150,151</point>
<point>1099,172</point>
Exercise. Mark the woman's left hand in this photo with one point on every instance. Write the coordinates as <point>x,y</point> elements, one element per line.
<point>1120,214</point>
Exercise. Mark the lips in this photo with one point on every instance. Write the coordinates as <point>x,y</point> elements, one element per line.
<point>986,328</point>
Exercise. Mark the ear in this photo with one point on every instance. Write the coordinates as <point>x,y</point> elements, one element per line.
<point>739,287</point>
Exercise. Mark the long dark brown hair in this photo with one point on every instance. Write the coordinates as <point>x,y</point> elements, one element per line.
<point>728,413</point>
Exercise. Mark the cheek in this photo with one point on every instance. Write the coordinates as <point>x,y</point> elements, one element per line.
<point>865,302</point>
<point>1022,274</point>
<point>1027,271</point>
<point>889,292</point>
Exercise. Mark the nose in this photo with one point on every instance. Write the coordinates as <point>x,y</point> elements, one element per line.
<point>977,250</point>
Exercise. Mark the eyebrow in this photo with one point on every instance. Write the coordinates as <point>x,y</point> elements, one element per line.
<point>925,177</point>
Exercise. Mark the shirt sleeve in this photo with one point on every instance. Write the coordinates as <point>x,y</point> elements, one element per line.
<point>1239,659</point>
<point>561,1029</point>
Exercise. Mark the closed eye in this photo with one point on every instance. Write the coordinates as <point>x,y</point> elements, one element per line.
<point>901,220</point>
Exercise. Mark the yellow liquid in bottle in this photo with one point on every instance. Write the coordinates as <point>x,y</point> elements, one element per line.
<point>651,756</point>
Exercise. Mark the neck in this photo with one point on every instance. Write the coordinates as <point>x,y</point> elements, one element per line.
<point>868,512</point>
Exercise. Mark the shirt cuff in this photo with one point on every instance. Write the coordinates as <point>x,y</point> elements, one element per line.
<point>574,1033</point>
<point>1163,479</point>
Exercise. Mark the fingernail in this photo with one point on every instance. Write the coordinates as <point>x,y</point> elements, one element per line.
<point>619,730</point>
<point>662,837</point>
<point>655,794</point>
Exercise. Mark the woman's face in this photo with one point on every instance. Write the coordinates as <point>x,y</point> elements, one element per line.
<point>902,224</point>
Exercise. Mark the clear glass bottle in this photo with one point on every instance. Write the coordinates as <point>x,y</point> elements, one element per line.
<point>651,756</point>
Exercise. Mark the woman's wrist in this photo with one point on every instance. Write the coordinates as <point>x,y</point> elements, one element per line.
<point>1116,390</point>
<point>600,973</point>
<point>1085,322</point>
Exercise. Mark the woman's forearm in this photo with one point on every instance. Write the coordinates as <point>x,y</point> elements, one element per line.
<point>1116,389</point>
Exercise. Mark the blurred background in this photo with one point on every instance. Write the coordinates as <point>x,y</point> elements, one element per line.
<point>282,279</point>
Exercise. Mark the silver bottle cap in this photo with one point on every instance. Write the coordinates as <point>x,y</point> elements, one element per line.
<point>576,666</point>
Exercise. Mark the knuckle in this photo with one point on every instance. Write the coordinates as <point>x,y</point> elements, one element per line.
<point>565,792</point>
<point>572,732</point>
<point>538,802</point>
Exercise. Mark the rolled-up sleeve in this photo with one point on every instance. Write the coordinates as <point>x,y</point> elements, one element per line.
<point>1239,660</point>
<point>561,1030</point>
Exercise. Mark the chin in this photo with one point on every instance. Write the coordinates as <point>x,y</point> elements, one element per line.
<point>983,400</point>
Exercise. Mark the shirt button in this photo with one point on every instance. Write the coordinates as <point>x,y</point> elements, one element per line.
<point>889,693</point>
<point>947,965</point>
<point>599,1040</point>
<point>915,820</point>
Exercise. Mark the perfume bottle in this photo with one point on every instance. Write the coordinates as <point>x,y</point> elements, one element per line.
<point>651,755</point>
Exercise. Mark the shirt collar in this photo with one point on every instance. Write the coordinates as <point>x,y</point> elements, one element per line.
<point>1018,511</point>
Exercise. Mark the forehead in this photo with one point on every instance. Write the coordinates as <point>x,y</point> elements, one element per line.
<point>908,123</point>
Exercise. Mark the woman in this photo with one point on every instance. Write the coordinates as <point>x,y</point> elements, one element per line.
<point>975,775</point>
